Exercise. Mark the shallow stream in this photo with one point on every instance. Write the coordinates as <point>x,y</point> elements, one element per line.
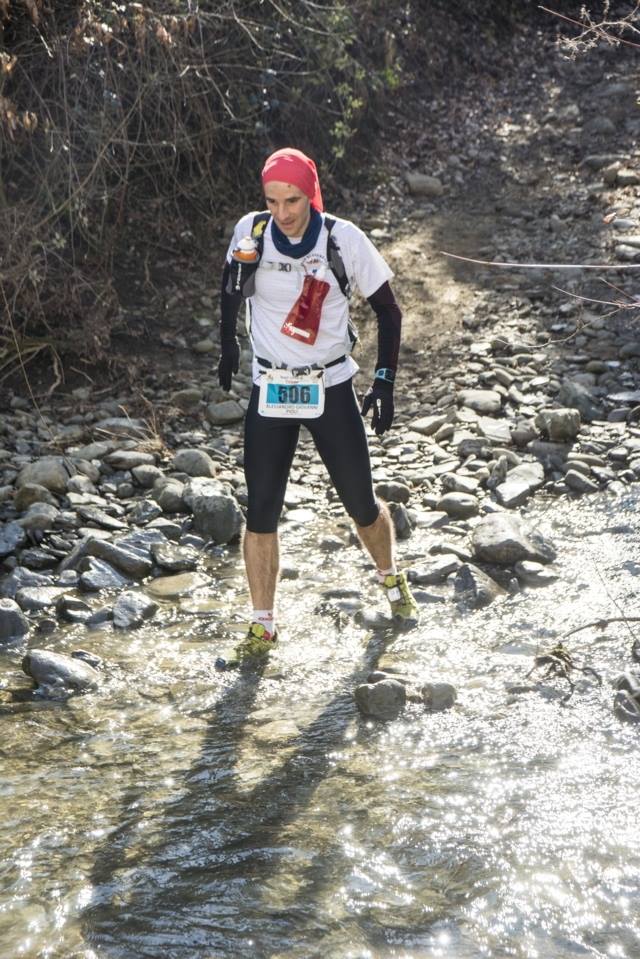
<point>191,814</point>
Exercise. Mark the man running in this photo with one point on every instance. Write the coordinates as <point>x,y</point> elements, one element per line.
<point>296,267</point>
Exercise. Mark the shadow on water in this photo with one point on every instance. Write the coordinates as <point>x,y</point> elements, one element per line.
<point>197,888</point>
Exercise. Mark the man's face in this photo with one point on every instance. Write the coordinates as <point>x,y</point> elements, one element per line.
<point>289,207</point>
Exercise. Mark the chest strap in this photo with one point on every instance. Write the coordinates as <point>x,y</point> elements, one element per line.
<point>268,365</point>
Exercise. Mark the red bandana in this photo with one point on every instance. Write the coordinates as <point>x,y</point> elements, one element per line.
<point>294,167</point>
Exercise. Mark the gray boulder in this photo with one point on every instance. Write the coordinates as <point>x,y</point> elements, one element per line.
<point>216,514</point>
<point>422,184</point>
<point>49,471</point>
<point>383,700</point>
<point>221,414</point>
<point>132,610</point>
<point>561,426</point>
<point>438,696</point>
<point>97,574</point>
<point>39,597</point>
<point>12,537</point>
<point>579,397</point>
<point>32,493</point>
<point>13,622</point>
<point>458,505</point>
<point>39,517</point>
<point>503,539</point>
<point>194,463</point>
<point>57,673</point>
<point>476,588</point>
<point>394,492</point>
<point>520,483</point>
<point>482,401</point>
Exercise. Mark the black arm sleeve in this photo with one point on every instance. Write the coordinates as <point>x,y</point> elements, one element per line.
<point>229,309</point>
<point>384,305</point>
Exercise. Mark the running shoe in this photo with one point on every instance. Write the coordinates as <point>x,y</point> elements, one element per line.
<point>254,648</point>
<point>404,608</point>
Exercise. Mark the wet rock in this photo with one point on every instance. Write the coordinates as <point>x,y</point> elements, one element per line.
<point>216,514</point>
<point>57,673</point>
<point>129,459</point>
<point>13,622</point>
<point>49,471</point>
<point>39,518</point>
<point>38,597</point>
<point>422,184</point>
<point>32,493</point>
<point>222,414</point>
<point>436,572</point>
<point>438,696</point>
<point>194,462</point>
<point>72,610</point>
<point>98,517</point>
<point>100,618</point>
<point>144,512</point>
<point>12,537</point>
<point>520,483</point>
<point>486,402</point>
<point>125,557</point>
<point>172,587</point>
<point>132,610</point>
<point>97,574</point>
<point>381,700</point>
<point>475,587</point>
<point>458,505</point>
<point>561,425</point>
<point>579,397</point>
<point>579,483</point>
<point>394,492</point>
<point>36,558</point>
<point>503,539</point>
<point>19,577</point>
<point>174,559</point>
<point>534,574</point>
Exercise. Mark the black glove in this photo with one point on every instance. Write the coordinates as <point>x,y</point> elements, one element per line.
<point>380,397</point>
<point>229,362</point>
<point>242,278</point>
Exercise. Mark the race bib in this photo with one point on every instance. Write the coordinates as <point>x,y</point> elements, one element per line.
<point>292,395</point>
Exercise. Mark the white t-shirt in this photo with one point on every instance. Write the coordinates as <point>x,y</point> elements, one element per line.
<point>277,290</point>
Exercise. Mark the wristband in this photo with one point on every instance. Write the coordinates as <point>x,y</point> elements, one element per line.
<point>385,374</point>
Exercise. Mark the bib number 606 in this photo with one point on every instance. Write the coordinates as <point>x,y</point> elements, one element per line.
<point>294,394</point>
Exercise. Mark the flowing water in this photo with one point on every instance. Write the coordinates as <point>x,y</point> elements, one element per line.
<point>185,813</point>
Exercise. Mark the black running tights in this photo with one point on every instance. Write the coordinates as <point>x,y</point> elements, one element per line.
<point>341,441</point>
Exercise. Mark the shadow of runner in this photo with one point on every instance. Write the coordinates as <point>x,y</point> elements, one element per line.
<point>195,890</point>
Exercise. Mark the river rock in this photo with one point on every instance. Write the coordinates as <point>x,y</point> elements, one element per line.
<point>98,517</point>
<point>49,471</point>
<point>129,459</point>
<point>422,184</point>
<point>579,397</point>
<point>72,610</point>
<point>32,493</point>
<point>55,672</point>
<point>458,505</point>
<point>12,537</point>
<point>436,572</point>
<point>534,574</point>
<point>438,696</point>
<point>19,577</point>
<point>394,492</point>
<point>194,462</point>
<point>457,483</point>
<point>39,517</point>
<point>146,476</point>
<point>13,622</point>
<point>122,426</point>
<point>144,512</point>
<point>561,425</point>
<point>222,414</point>
<point>169,496</point>
<point>428,425</point>
<point>482,401</point>
<point>132,610</point>
<point>476,588</point>
<point>551,455</point>
<point>503,539</point>
<point>174,559</point>
<point>38,597</point>
<point>216,514</point>
<point>579,483</point>
<point>520,483</point>
<point>172,587</point>
<point>383,700</point>
<point>97,574</point>
<point>402,522</point>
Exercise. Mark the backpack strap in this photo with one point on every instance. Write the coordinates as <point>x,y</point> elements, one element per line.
<point>258,227</point>
<point>334,259</point>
